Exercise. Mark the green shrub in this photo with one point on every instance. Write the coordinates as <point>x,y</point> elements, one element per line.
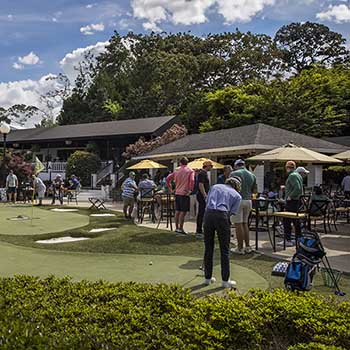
<point>59,314</point>
<point>83,164</point>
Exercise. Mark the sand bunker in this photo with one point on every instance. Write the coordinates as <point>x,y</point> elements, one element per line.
<point>64,210</point>
<point>62,240</point>
<point>96,230</point>
<point>102,215</point>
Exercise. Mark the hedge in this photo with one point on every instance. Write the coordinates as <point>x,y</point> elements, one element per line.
<point>61,314</point>
<point>83,164</point>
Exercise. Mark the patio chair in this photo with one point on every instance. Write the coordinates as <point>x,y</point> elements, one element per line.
<point>301,214</point>
<point>145,203</point>
<point>262,211</point>
<point>318,210</point>
<point>342,208</point>
<point>72,195</point>
<point>167,210</point>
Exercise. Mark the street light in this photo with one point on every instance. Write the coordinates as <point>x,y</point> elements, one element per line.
<point>4,130</point>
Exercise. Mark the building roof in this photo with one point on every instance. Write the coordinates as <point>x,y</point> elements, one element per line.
<point>341,140</point>
<point>251,138</point>
<point>146,126</point>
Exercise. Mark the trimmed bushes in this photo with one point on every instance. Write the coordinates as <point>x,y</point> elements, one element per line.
<point>59,314</point>
<point>83,164</point>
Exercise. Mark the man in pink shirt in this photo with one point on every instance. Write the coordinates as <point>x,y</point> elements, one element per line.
<point>184,182</point>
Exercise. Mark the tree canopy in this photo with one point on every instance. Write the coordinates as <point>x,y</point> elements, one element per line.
<point>221,80</point>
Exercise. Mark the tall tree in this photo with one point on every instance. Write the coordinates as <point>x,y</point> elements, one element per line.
<point>305,44</point>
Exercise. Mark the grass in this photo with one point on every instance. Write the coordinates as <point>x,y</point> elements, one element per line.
<point>139,245</point>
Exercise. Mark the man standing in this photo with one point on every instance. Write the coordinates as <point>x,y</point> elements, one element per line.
<point>222,201</point>
<point>345,184</point>
<point>184,182</point>
<point>293,191</point>
<point>39,188</point>
<point>129,188</point>
<point>11,186</point>
<point>227,172</point>
<point>203,189</point>
<point>241,219</point>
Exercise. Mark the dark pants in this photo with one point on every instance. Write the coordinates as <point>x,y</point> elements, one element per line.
<point>292,206</point>
<point>217,221</point>
<point>200,214</point>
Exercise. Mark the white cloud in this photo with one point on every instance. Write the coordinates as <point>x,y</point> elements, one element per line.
<point>90,6</point>
<point>10,17</point>
<point>72,59</point>
<point>241,10</point>
<point>189,12</point>
<point>30,59</point>
<point>28,92</point>
<point>91,29</point>
<point>337,13</point>
<point>151,26</point>
<point>17,66</point>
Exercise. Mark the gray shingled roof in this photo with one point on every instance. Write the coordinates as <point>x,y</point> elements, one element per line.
<point>341,140</point>
<point>98,130</point>
<point>256,136</point>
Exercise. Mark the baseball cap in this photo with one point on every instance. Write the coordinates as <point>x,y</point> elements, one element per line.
<point>301,169</point>
<point>239,162</point>
<point>291,164</point>
<point>207,163</point>
<point>132,173</point>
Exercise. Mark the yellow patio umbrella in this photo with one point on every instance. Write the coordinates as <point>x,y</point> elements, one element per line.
<point>292,152</point>
<point>147,164</point>
<point>198,164</point>
<point>343,156</point>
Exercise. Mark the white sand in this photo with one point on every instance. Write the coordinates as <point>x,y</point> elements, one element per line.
<point>102,215</point>
<point>63,210</point>
<point>62,240</point>
<point>96,230</point>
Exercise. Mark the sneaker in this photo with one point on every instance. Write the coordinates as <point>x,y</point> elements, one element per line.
<point>248,250</point>
<point>209,281</point>
<point>228,284</point>
<point>237,251</point>
<point>199,236</point>
<point>181,232</point>
<point>177,230</point>
<point>290,244</point>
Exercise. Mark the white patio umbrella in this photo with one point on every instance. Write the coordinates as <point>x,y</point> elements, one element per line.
<point>292,152</point>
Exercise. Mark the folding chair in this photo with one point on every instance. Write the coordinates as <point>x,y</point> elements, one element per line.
<point>97,203</point>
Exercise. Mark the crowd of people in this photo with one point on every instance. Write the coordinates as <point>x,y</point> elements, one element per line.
<point>33,187</point>
<point>223,205</point>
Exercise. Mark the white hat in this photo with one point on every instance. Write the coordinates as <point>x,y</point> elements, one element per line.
<point>301,169</point>
<point>239,162</point>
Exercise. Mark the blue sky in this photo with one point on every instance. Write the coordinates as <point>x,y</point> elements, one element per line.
<point>36,35</point>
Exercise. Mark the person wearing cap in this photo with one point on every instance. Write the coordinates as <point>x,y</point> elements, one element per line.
<point>222,202</point>
<point>58,189</point>
<point>203,189</point>
<point>302,171</point>
<point>293,192</point>
<point>184,183</point>
<point>241,218</point>
<point>129,188</point>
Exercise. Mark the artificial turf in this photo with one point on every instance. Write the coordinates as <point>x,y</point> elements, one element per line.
<point>125,252</point>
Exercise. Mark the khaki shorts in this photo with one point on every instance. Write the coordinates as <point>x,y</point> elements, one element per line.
<point>242,215</point>
<point>128,201</point>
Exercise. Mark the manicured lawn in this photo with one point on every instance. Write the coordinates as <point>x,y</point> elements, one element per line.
<point>125,253</point>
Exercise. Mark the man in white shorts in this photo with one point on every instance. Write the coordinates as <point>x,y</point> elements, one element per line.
<point>241,218</point>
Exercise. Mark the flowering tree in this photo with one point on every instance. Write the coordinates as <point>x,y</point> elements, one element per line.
<point>141,146</point>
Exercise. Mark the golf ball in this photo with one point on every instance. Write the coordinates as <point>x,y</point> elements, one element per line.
<point>150,263</point>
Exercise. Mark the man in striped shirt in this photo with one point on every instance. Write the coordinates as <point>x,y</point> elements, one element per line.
<point>184,183</point>
<point>129,188</point>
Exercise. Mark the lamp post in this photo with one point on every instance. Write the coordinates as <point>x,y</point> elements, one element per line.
<point>4,130</point>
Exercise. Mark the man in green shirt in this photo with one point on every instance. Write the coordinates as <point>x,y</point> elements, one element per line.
<point>293,192</point>
<point>241,218</point>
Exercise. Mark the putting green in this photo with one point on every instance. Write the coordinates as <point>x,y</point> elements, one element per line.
<point>118,267</point>
<point>44,221</point>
